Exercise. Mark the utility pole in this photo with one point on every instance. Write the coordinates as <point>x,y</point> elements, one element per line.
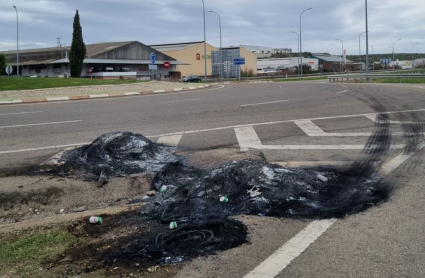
<point>17,41</point>
<point>298,52</point>
<point>205,43</point>
<point>301,44</point>
<point>367,43</point>
<point>221,46</point>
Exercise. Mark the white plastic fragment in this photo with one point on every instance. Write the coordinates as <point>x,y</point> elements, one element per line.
<point>322,178</point>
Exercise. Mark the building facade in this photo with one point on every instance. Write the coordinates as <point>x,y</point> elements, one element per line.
<point>106,60</point>
<point>271,65</point>
<point>222,62</point>
<point>191,54</point>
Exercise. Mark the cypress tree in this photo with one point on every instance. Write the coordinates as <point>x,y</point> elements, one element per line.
<point>78,49</point>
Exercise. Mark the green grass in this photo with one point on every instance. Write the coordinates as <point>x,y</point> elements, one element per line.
<point>298,79</point>
<point>27,83</point>
<point>26,254</point>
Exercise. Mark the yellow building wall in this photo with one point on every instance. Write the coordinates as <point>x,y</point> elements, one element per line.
<point>250,60</point>
<point>188,55</point>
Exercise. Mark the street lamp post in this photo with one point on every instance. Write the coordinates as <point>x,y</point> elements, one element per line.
<point>360,53</point>
<point>17,41</point>
<point>298,51</point>
<point>412,53</point>
<point>342,53</point>
<point>301,44</point>
<point>393,53</point>
<point>221,56</point>
<point>373,55</point>
<point>367,42</point>
<point>205,44</point>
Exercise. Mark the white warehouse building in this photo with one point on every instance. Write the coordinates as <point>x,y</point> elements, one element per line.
<point>279,64</point>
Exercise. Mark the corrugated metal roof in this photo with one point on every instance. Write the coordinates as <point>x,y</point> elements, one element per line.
<point>328,58</point>
<point>174,46</point>
<point>118,61</point>
<point>33,62</point>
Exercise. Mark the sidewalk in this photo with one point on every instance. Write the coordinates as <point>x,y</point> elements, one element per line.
<point>90,92</point>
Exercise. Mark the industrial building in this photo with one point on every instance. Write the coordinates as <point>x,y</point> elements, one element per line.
<point>106,60</point>
<point>192,54</point>
<point>331,62</point>
<point>279,64</point>
<point>225,56</point>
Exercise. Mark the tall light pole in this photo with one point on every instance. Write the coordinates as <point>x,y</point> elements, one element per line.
<point>360,53</point>
<point>205,43</point>
<point>221,57</point>
<point>342,53</point>
<point>412,53</point>
<point>298,51</point>
<point>373,55</point>
<point>367,42</point>
<point>393,53</point>
<point>17,41</point>
<point>301,44</point>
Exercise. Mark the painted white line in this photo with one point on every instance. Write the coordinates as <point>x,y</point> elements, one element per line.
<point>297,164</point>
<point>51,123</point>
<point>20,113</point>
<point>43,148</point>
<point>99,96</point>
<point>263,103</point>
<point>132,94</point>
<point>192,88</point>
<point>58,98</point>
<point>170,140</point>
<point>283,256</point>
<point>373,118</point>
<point>343,86</point>
<point>159,91</point>
<point>312,130</point>
<point>282,122</point>
<point>178,89</point>
<point>247,137</point>
<point>172,101</point>
<point>317,147</point>
<point>398,160</point>
<point>342,92</point>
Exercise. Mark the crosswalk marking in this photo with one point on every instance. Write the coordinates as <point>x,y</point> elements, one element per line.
<point>172,140</point>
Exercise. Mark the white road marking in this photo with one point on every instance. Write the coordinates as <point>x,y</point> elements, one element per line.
<point>11,101</point>
<point>342,92</point>
<point>294,247</point>
<point>99,96</point>
<point>344,86</point>
<point>132,94</point>
<point>159,91</point>
<point>246,137</point>
<point>297,164</point>
<point>172,101</point>
<point>282,122</point>
<point>282,257</point>
<point>173,140</point>
<point>19,113</point>
<point>51,123</point>
<point>373,118</point>
<point>43,148</point>
<point>312,130</point>
<point>57,98</point>
<point>263,103</point>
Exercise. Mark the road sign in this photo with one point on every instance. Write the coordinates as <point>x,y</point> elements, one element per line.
<point>153,67</point>
<point>90,70</point>
<point>153,58</point>
<point>166,65</point>
<point>9,69</point>
<point>239,61</point>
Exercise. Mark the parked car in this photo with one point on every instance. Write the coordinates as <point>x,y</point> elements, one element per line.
<point>191,78</point>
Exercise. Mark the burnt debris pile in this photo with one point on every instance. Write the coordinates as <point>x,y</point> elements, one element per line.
<point>258,188</point>
<point>118,154</point>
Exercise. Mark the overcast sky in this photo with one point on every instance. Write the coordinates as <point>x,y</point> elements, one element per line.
<point>254,22</point>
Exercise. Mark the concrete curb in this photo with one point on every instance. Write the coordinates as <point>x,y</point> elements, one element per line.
<point>84,97</point>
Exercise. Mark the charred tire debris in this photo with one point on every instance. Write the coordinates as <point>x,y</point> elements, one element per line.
<point>200,203</point>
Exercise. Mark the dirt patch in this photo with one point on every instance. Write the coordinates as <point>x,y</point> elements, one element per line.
<point>25,198</point>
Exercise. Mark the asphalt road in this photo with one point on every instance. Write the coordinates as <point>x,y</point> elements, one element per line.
<point>290,123</point>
